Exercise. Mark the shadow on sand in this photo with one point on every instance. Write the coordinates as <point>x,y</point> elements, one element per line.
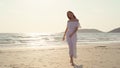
<point>78,66</point>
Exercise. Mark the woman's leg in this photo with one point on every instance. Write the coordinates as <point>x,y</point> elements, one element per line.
<point>70,43</point>
<point>71,60</point>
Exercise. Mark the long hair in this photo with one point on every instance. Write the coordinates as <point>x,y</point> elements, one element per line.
<point>71,13</point>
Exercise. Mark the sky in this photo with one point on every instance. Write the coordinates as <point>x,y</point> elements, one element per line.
<point>50,15</point>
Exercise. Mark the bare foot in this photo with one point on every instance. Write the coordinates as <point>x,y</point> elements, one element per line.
<point>72,64</point>
<point>70,61</point>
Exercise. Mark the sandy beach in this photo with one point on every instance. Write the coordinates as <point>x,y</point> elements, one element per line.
<point>89,56</point>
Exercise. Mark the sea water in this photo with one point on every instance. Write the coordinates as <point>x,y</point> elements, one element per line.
<point>39,39</point>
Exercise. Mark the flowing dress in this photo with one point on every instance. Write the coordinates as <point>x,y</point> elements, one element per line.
<point>71,25</point>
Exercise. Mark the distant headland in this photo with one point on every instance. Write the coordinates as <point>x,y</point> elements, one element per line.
<point>116,30</point>
<point>89,31</point>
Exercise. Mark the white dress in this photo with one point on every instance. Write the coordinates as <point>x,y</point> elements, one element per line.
<point>72,41</point>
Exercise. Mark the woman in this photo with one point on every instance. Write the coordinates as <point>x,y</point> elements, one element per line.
<point>71,36</point>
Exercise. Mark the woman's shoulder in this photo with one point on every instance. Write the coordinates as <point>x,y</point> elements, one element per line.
<point>75,20</point>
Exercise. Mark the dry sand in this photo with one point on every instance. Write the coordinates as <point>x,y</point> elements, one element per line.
<point>89,56</point>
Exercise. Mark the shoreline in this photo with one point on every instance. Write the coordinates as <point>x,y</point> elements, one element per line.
<point>58,46</point>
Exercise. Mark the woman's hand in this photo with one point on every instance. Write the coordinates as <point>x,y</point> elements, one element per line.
<point>65,33</point>
<point>73,32</point>
<point>70,35</point>
<point>63,38</point>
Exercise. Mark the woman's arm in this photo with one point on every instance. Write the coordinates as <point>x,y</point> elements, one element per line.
<point>65,33</point>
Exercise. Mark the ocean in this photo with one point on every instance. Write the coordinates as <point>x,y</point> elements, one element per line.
<point>39,39</point>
